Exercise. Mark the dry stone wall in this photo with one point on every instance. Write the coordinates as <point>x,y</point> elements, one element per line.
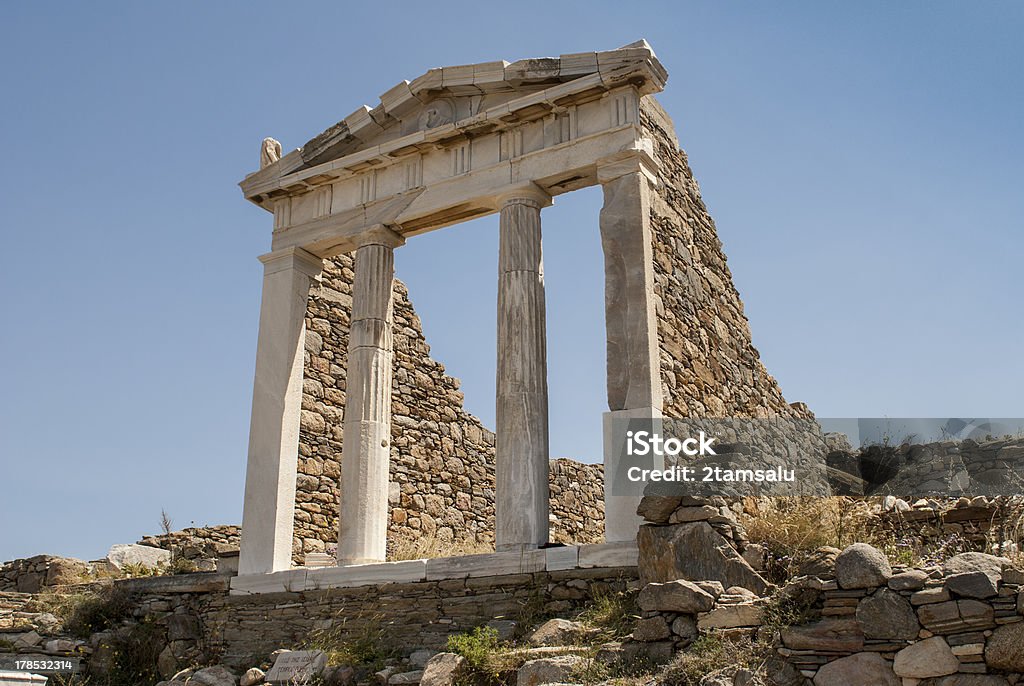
<point>873,624</point>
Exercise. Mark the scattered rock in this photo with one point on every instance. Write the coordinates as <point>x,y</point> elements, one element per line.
<point>966,680</point>
<point>862,669</point>
<point>405,678</point>
<point>693,551</point>
<point>833,635</point>
<point>731,616</point>
<point>975,562</point>
<point>658,508</point>
<point>913,580</point>
<point>557,632</point>
<point>820,563</point>
<point>124,554</point>
<point>652,629</point>
<point>252,677</point>
<point>930,657</point>
<point>548,670</point>
<point>888,615</point>
<point>442,670</point>
<point>1004,648</point>
<point>973,584</point>
<point>213,676</point>
<point>862,566</point>
<point>685,627</point>
<point>675,596</point>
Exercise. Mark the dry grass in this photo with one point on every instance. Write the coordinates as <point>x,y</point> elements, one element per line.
<point>792,527</point>
<point>407,547</point>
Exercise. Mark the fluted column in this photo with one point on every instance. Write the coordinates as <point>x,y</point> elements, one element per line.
<point>269,506</point>
<point>366,442</point>
<point>521,455</point>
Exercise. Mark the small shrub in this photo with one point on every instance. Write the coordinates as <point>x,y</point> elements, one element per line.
<point>181,565</point>
<point>366,645</point>
<point>708,654</point>
<point>83,613</point>
<point>612,614</point>
<point>135,570</point>
<point>791,527</point>
<point>488,660</point>
<point>478,646</point>
<point>134,656</point>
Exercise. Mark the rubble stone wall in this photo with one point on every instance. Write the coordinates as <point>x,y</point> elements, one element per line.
<point>191,619</point>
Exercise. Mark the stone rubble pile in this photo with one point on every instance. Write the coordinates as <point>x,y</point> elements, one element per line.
<point>203,546</point>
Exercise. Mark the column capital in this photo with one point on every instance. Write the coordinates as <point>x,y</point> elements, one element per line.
<point>528,193</point>
<point>639,159</point>
<point>380,234</point>
<point>292,258</point>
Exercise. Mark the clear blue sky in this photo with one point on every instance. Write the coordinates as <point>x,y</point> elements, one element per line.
<point>863,162</point>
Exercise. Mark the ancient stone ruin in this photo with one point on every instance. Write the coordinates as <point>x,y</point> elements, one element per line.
<point>453,144</point>
<point>360,444</point>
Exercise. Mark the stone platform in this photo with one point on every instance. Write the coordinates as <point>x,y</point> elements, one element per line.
<point>560,558</point>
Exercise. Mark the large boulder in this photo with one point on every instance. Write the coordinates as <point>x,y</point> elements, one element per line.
<point>557,632</point>
<point>123,554</point>
<point>675,596</point>
<point>65,570</point>
<point>651,629</point>
<point>862,669</point>
<point>548,670</point>
<point>888,615</point>
<point>966,680</point>
<point>693,551</point>
<point>827,635</point>
<point>911,580</point>
<point>930,657</point>
<point>252,677</point>
<point>820,563</point>
<point>442,669</point>
<point>974,562</point>
<point>862,566</point>
<point>658,508</point>
<point>213,676</point>
<point>1005,648</point>
<point>973,584</point>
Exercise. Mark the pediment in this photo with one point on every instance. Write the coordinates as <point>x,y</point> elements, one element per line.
<point>455,98</point>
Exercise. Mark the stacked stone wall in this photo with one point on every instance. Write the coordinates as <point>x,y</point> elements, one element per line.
<point>192,620</point>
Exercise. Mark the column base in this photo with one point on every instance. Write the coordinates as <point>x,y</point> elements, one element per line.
<point>621,497</point>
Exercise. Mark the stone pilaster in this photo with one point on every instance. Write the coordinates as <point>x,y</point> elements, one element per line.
<point>267,517</point>
<point>366,442</point>
<point>634,373</point>
<point>521,455</point>
<point>634,379</point>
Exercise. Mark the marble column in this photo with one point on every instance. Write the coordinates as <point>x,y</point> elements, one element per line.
<point>366,442</point>
<point>521,454</point>
<point>633,367</point>
<point>269,507</point>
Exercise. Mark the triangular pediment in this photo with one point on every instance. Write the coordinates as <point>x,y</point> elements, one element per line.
<point>449,95</point>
